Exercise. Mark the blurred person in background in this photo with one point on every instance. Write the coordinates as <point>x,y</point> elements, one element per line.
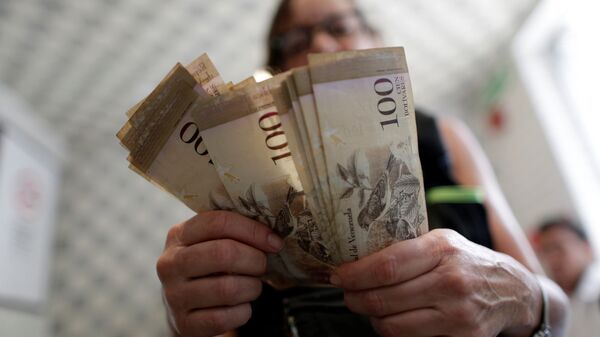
<point>565,251</point>
<point>477,276</point>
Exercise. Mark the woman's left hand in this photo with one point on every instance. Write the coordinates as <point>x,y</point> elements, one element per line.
<point>442,284</point>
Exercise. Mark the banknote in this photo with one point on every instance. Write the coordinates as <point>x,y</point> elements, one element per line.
<point>145,114</point>
<point>290,126</point>
<point>311,125</point>
<point>368,128</point>
<point>296,128</point>
<point>207,81</point>
<point>250,150</point>
<point>171,153</point>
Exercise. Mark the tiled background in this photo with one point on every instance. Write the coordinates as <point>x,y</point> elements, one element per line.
<point>81,64</point>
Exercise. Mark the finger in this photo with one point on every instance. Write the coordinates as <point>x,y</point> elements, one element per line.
<point>216,291</point>
<point>214,225</point>
<point>411,295</point>
<point>214,321</point>
<point>399,262</point>
<point>173,235</point>
<point>220,256</point>
<point>417,323</point>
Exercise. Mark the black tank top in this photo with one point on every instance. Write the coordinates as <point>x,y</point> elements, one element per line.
<point>320,312</point>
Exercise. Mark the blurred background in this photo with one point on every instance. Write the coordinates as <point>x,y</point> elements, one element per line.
<point>80,233</point>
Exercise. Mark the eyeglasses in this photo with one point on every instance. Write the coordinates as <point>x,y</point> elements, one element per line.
<point>299,39</point>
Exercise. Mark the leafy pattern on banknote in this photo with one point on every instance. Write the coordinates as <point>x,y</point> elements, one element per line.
<point>299,224</point>
<point>310,238</point>
<point>391,211</point>
<point>375,204</point>
<point>257,210</point>
<point>356,179</point>
<point>220,201</point>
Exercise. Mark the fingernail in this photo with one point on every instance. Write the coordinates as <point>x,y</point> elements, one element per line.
<point>335,280</point>
<point>275,241</point>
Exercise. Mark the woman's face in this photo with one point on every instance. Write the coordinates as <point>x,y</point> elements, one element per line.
<point>318,26</point>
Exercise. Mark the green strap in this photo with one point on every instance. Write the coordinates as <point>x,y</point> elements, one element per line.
<point>455,195</point>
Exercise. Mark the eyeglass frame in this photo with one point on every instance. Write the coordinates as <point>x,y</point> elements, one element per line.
<point>277,41</point>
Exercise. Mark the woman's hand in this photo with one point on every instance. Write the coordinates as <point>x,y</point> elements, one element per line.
<point>442,284</point>
<point>210,271</point>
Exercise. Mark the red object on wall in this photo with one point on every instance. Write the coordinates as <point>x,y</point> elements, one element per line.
<point>496,118</point>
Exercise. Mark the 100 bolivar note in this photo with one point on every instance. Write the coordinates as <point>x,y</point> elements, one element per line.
<point>259,173</point>
<point>367,123</point>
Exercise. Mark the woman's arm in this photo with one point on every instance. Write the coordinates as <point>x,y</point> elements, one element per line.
<point>471,168</point>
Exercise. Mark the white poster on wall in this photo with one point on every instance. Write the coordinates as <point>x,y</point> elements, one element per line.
<point>29,181</point>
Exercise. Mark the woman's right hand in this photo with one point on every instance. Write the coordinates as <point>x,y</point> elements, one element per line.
<point>210,271</point>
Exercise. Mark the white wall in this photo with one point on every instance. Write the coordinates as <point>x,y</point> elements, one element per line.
<point>15,323</point>
<point>521,156</point>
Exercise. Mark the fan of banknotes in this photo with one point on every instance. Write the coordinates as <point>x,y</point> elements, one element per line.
<point>326,155</point>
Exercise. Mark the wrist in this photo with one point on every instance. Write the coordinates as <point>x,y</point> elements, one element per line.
<point>544,329</point>
<point>526,316</point>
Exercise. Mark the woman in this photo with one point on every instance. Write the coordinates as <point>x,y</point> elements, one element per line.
<point>438,284</point>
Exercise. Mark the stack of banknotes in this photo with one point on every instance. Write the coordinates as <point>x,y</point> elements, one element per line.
<point>326,155</point>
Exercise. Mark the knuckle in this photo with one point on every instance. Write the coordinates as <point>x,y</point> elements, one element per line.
<point>444,232</point>
<point>183,325</point>
<point>383,328</point>
<point>350,300</point>
<point>217,321</point>
<point>182,258</point>
<point>477,331</point>
<point>258,235</point>
<point>228,288</point>
<point>174,233</point>
<point>463,316</point>
<point>255,288</point>
<point>245,314</point>
<point>262,262</point>
<point>445,245</point>
<point>164,266</point>
<point>387,270</point>
<point>460,314</point>
<point>217,223</point>
<point>470,329</point>
<point>373,303</point>
<point>172,297</point>
<point>441,235</point>
<point>458,281</point>
<point>224,252</point>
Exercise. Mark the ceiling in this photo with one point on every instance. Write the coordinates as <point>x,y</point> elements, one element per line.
<point>86,58</point>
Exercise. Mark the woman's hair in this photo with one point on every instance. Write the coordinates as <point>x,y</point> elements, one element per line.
<point>565,223</point>
<point>275,59</point>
